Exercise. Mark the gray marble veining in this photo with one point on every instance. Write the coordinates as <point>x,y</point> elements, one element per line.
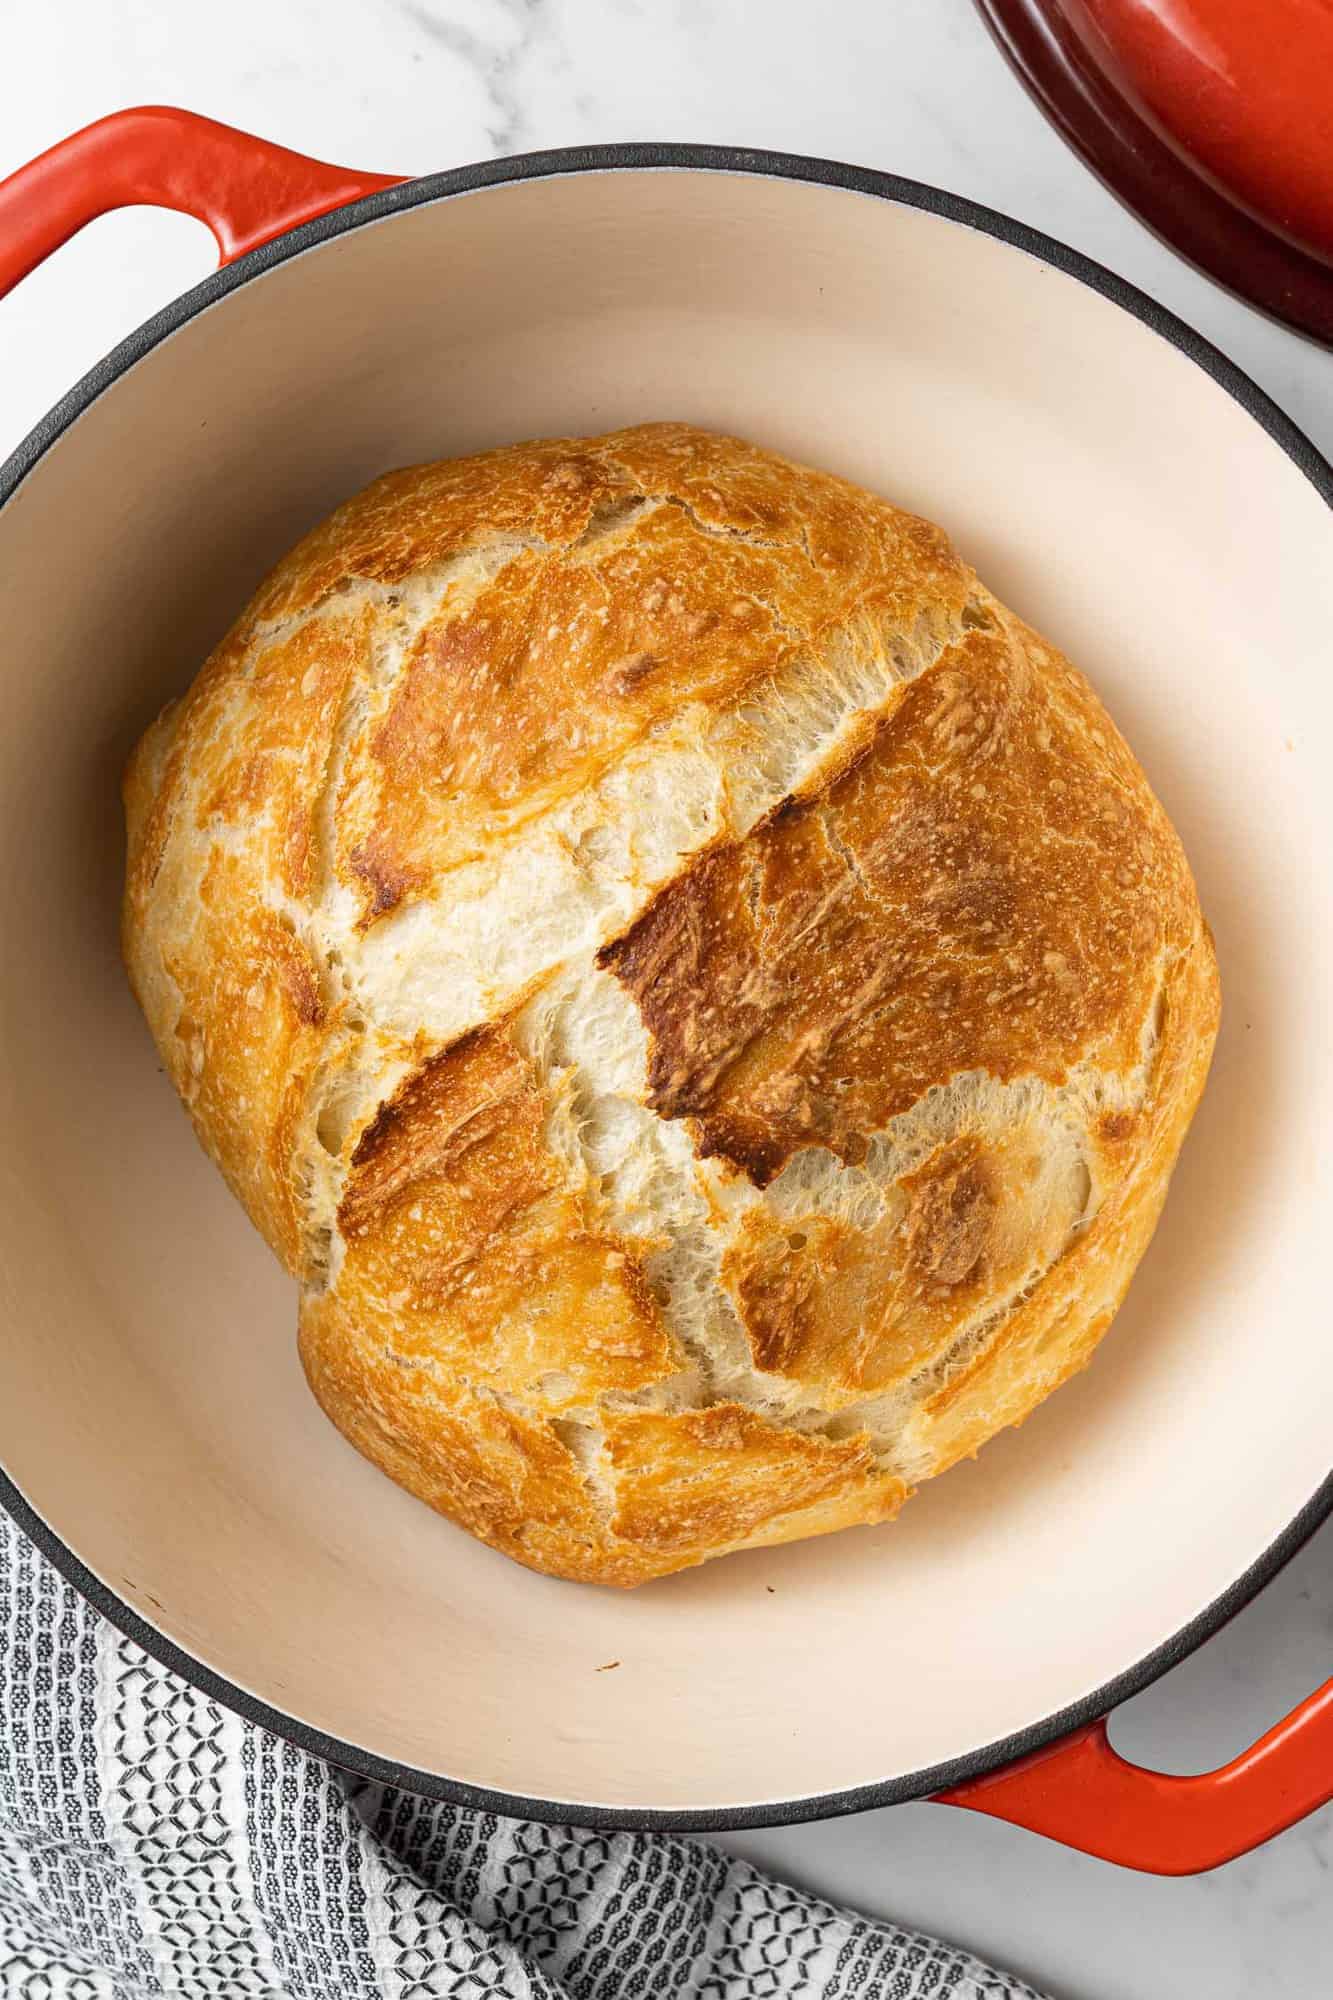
<point>497,48</point>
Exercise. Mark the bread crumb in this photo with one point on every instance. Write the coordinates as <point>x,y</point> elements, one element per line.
<point>610,1665</point>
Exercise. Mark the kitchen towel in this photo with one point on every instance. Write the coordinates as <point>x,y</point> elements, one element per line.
<point>154,1844</point>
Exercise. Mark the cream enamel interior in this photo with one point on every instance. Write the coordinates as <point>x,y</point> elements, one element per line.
<point>153,1411</point>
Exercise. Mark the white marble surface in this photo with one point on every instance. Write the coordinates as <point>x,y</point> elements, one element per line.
<point>910,85</point>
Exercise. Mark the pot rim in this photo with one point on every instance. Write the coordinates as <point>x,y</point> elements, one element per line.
<point>650,157</point>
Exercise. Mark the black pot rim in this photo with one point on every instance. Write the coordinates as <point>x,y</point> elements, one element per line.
<point>783,166</point>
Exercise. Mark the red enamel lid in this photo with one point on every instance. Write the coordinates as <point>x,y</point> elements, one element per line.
<point>1212,119</point>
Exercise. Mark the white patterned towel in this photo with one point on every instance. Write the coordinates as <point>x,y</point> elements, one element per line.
<point>153,1844</point>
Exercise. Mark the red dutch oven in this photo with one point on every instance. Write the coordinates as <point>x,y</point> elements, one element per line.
<point>1211,119</point>
<point>1116,479</point>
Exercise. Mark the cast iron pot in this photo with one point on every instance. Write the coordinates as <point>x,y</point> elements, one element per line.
<point>1116,480</point>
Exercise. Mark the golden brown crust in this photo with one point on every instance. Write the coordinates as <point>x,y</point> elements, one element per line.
<point>689,1486</point>
<point>701,997</point>
<point>1052,1334</point>
<point>990,886</point>
<point>468,1250</point>
<point>638,587</point>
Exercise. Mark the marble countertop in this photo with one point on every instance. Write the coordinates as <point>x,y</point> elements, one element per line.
<point>914,86</point>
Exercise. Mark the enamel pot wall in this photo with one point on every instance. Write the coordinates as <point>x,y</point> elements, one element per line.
<point>1117,481</point>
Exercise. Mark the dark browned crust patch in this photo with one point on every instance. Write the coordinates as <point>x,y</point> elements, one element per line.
<point>987,887</point>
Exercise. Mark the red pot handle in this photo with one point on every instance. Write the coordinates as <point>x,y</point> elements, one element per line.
<point>247,190</point>
<point>1081,1792</point>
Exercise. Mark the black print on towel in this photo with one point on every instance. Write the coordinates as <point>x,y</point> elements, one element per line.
<point>167,1753</point>
<point>67,1910</point>
<point>550,1878</point>
<point>308,1886</point>
<point>155,1847</point>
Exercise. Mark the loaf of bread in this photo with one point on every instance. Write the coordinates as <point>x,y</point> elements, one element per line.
<point>699,996</point>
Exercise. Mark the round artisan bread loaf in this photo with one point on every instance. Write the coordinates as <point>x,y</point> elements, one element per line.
<point>701,997</point>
